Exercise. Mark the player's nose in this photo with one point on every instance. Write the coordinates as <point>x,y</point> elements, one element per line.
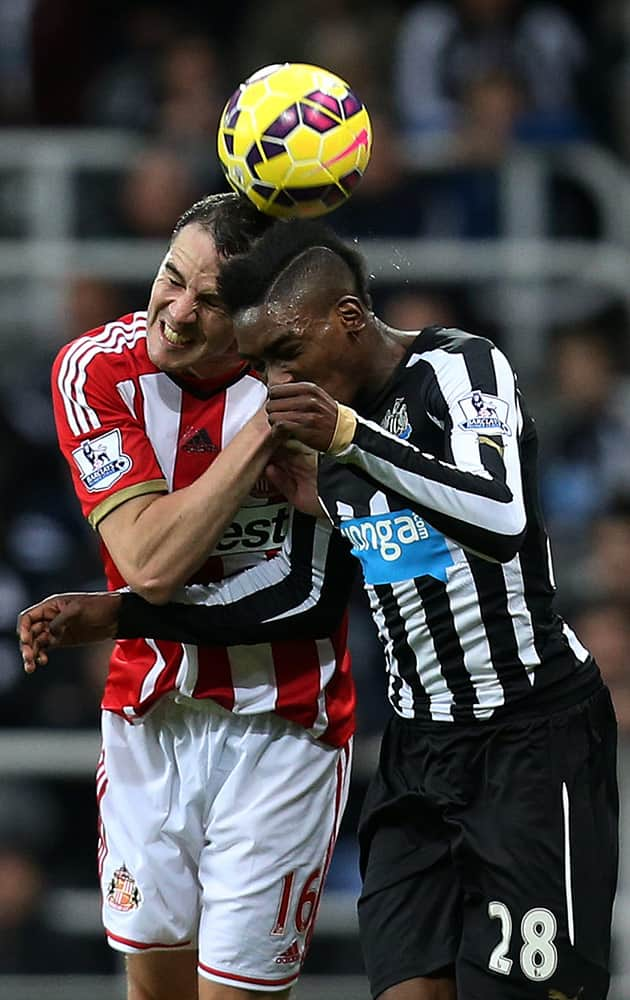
<point>183,308</point>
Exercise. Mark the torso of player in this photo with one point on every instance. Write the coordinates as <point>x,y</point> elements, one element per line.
<point>127,429</point>
<point>465,638</point>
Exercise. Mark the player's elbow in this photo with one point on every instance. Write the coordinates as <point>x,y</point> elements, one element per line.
<point>512,527</point>
<point>508,542</point>
<point>503,540</point>
<point>495,547</point>
<point>153,589</point>
<point>507,547</point>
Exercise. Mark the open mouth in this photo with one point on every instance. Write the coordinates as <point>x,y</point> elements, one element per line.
<point>174,338</point>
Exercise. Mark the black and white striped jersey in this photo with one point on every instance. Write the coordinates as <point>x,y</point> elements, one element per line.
<point>437,494</point>
<point>437,497</point>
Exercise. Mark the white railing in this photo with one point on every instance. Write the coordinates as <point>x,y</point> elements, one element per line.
<point>519,273</point>
<point>49,159</point>
<point>520,266</point>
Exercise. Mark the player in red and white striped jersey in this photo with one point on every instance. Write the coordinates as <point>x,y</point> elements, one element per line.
<point>161,426</point>
<point>129,430</point>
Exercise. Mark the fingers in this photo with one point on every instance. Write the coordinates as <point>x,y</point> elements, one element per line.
<point>29,624</point>
<point>303,411</point>
<point>32,659</point>
<point>46,625</point>
<point>300,404</point>
<point>289,390</point>
<point>41,612</point>
<point>280,478</point>
<point>34,634</point>
<point>294,397</point>
<point>33,646</point>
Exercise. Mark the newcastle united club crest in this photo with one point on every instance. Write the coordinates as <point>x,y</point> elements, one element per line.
<point>396,420</point>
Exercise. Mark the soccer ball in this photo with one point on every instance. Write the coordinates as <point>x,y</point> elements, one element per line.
<point>295,140</point>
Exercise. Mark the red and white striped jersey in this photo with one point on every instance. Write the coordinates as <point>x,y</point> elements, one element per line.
<point>127,429</point>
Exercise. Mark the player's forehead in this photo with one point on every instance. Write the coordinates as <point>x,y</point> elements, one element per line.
<point>258,328</point>
<point>193,253</point>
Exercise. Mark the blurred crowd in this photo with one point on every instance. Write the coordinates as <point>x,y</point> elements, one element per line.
<point>453,84</point>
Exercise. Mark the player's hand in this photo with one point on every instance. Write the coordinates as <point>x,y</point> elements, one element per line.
<point>294,474</point>
<point>65,620</point>
<point>303,411</point>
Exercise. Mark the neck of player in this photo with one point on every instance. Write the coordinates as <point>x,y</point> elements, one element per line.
<point>383,350</point>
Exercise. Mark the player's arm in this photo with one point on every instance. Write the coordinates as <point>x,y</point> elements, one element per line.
<point>301,593</point>
<point>475,494</point>
<point>157,539</point>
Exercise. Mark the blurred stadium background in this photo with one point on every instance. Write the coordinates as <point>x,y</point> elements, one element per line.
<point>498,199</point>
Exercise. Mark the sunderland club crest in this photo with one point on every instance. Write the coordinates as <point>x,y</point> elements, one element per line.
<point>123,892</point>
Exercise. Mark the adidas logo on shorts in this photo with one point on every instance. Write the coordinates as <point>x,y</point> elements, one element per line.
<point>290,956</point>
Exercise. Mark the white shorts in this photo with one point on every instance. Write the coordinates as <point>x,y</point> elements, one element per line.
<point>216,832</point>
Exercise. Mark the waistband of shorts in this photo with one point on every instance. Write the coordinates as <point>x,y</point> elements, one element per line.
<point>175,703</point>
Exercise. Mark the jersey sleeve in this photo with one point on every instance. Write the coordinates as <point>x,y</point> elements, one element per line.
<point>301,593</point>
<point>473,493</point>
<point>101,435</point>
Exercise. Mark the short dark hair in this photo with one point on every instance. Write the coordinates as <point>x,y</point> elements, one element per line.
<point>232,221</point>
<point>245,280</point>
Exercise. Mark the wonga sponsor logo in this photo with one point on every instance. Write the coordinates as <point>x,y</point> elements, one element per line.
<point>397,546</point>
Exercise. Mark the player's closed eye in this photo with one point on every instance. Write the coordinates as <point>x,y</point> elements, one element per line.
<point>211,303</point>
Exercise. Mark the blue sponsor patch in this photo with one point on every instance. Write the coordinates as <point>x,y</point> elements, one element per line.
<point>397,546</point>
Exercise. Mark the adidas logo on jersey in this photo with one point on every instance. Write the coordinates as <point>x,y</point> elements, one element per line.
<point>198,441</point>
<point>290,956</point>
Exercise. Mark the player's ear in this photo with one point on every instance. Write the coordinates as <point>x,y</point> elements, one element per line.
<point>352,312</point>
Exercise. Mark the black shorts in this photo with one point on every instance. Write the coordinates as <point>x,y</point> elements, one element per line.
<point>490,854</point>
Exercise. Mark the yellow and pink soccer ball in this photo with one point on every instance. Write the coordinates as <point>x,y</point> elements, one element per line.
<point>295,139</point>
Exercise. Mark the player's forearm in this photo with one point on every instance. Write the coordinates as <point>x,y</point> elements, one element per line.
<point>199,625</point>
<point>177,532</point>
<point>301,593</point>
<point>472,506</point>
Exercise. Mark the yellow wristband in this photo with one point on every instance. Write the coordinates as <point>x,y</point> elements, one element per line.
<point>344,429</point>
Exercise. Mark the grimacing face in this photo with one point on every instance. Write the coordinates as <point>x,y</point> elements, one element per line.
<point>289,343</point>
<point>188,330</point>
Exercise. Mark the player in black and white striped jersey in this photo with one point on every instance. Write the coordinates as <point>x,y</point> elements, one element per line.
<point>489,834</point>
<point>488,839</point>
